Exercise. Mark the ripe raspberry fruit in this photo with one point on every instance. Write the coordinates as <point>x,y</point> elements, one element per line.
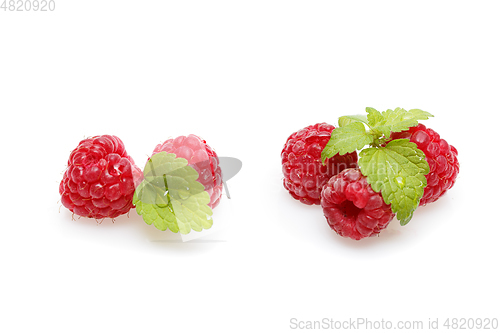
<point>301,162</point>
<point>100,179</point>
<point>202,158</point>
<point>352,208</point>
<point>442,159</point>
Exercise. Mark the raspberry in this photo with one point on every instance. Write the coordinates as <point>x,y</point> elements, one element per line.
<point>352,208</point>
<point>304,172</point>
<point>442,159</point>
<point>100,179</point>
<point>202,158</point>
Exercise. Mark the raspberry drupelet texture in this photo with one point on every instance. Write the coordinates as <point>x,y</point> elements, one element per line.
<point>100,179</point>
<point>442,159</point>
<point>301,162</point>
<point>202,158</point>
<point>352,208</point>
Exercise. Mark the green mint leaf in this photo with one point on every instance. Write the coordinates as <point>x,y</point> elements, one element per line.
<point>398,172</point>
<point>170,197</point>
<point>400,119</point>
<point>375,118</point>
<point>346,139</point>
<point>396,120</point>
<point>345,120</point>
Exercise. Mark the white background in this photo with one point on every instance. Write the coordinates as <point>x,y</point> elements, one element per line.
<point>243,75</point>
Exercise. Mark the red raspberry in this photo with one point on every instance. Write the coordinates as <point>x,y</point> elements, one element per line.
<point>304,172</point>
<point>442,159</point>
<point>202,158</point>
<point>100,179</point>
<point>352,208</point>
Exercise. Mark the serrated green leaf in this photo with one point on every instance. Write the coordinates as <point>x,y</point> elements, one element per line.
<point>170,197</point>
<point>346,139</point>
<point>396,120</point>
<point>398,172</point>
<point>162,218</point>
<point>162,164</point>
<point>345,120</point>
<point>193,213</point>
<point>375,118</point>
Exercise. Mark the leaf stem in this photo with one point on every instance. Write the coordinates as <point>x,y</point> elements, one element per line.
<point>378,138</point>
